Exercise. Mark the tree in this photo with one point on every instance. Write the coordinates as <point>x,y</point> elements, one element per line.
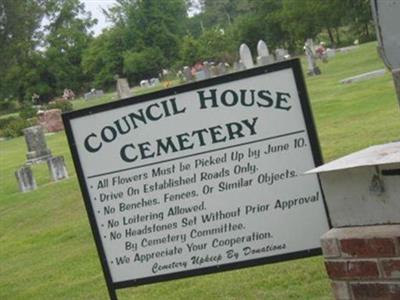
<point>151,24</point>
<point>190,51</point>
<point>19,35</point>
<point>103,59</point>
<point>68,37</point>
<point>143,64</point>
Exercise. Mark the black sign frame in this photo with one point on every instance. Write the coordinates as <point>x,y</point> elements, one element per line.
<point>295,66</point>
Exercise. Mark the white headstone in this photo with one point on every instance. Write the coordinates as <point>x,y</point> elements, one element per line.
<point>262,48</point>
<point>245,56</point>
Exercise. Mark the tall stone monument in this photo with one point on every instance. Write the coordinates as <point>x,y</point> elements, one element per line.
<point>123,89</point>
<point>38,153</point>
<point>386,17</point>
<point>311,63</point>
<point>36,144</point>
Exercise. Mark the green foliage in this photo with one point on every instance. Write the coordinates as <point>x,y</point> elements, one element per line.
<point>64,105</point>
<point>19,35</point>
<point>143,64</point>
<point>149,35</point>
<point>14,127</point>
<point>67,39</point>
<point>190,51</point>
<point>27,111</point>
<point>7,106</point>
<point>103,59</point>
<point>5,121</point>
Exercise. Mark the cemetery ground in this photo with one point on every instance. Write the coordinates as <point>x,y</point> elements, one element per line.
<point>46,246</point>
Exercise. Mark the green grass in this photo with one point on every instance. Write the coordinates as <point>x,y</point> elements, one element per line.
<point>46,247</point>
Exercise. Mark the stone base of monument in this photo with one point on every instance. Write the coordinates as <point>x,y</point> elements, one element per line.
<point>57,168</point>
<point>265,60</point>
<point>363,262</point>
<point>26,181</point>
<point>315,71</point>
<point>33,157</point>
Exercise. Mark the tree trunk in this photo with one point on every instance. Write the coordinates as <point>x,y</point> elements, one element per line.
<point>337,36</point>
<point>331,38</point>
<point>367,31</point>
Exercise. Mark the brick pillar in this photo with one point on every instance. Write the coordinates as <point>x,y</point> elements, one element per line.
<point>363,263</point>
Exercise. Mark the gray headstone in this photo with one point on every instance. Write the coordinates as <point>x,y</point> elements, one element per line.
<point>238,66</point>
<point>123,89</point>
<point>154,81</point>
<point>57,168</point>
<point>26,181</point>
<point>221,68</point>
<point>214,71</point>
<point>245,56</point>
<point>187,73</point>
<point>93,94</point>
<point>200,75</point>
<point>281,54</point>
<point>36,144</point>
<point>206,69</point>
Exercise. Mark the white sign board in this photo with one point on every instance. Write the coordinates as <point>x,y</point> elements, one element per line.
<point>201,178</point>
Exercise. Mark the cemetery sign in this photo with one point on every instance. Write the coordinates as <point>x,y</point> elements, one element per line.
<point>201,178</point>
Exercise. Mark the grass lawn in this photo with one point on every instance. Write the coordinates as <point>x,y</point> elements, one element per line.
<point>46,247</point>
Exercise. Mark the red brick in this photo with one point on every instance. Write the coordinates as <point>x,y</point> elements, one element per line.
<point>330,247</point>
<point>374,247</point>
<point>341,290</point>
<point>391,268</point>
<point>342,269</point>
<point>376,291</point>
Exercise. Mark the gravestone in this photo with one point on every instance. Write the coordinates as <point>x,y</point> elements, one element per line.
<point>281,54</point>
<point>206,70</point>
<point>123,89</point>
<point>26,181</point>
<point>187,74</point>
<point>311,64</point>
<point>238,66</point>
<point>245,56</point>
<point>214,71</point>
<point>144,83</point>
<point>93,94</point>
<point>57,168</point>
<point>221,68</point>
<point>36,144</point>
<point>51,120</point>
<point>387,25</point>
<point>364,76</point>
<point>263,58</point>
<point>154,82</point>
<point>200,75</point>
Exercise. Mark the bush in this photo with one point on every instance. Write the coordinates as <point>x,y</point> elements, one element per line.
<point>8,105</point>
<point>64,105</point>
<point>14,128</point>
<point>27,111</point>
<point>5,121</point>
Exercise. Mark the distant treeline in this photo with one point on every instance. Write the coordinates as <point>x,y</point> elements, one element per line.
<point>47,45</point>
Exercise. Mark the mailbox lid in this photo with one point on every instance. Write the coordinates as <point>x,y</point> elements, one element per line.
<point>372,156</point>
<point>348,185</point>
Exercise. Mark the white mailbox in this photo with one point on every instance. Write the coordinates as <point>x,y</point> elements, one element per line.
<point>363,188</point>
